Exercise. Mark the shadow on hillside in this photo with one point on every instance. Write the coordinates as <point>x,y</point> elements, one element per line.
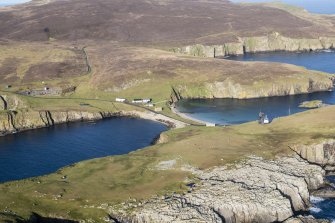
<point>35,218</point>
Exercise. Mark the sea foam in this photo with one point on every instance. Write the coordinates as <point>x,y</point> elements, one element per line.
<point>316,200</point>
<point>315,210</point>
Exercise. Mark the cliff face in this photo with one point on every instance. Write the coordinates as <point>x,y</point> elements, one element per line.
<point>230,88</point>
<point>11,102</point>
<point>322,154</point>
<point>254,191</point>
<point>272,42</point>
<point>12,121</point>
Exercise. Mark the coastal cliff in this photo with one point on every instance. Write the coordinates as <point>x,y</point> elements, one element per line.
<point>269,43</point>
<point>322,154</point>
<point>13,121</point>
<point>230,88</point>
<point>16,116</point>
<point>255,190</point>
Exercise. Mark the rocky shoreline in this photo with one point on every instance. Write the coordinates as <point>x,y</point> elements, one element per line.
<point>270,43</point>
<point>13,122</point>
<point>254,190</point>
<point>16,117</point>
<point>232,89</point>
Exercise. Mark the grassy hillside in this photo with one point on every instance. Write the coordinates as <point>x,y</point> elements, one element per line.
<point>90,186</point>
<point>138,72</point>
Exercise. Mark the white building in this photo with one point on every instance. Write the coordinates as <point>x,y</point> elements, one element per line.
<point>147,100</point>
<point>208,124</point>
<point>142,101</point>
<point>120,99</point>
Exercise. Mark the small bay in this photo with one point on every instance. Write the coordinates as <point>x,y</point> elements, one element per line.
<point>235,111</point>
<point>43,151</point>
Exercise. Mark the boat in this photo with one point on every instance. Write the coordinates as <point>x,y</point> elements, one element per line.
<point>263,118</point>
<point>266,120</point>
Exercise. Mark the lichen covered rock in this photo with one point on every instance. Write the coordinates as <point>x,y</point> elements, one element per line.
<point>257,190</point>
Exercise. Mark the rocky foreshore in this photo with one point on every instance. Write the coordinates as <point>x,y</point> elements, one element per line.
<point>255,190</point>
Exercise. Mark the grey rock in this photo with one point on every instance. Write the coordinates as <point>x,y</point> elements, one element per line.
<point>256,191</point>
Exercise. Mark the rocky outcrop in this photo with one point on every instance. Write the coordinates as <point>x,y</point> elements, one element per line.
<point>13,121</point>
<point>272,42</point>
<point>10,102</point>
<point>322,154</point>
<point>306,219</point>
<point>3,103</point>
<point>233,89</point>
<point>256,190</point>
<point>175,96</point>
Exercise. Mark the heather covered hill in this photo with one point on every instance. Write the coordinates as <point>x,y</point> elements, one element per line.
<point>138,70</point>
<point>126,43</point>
<point>154,21</point>
<point>25,62</point>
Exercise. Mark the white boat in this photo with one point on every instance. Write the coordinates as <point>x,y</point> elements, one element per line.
<point>266,120</point>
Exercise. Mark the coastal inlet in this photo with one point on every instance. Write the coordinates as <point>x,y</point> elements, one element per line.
<point>43,151</point>
<point>235,111</point>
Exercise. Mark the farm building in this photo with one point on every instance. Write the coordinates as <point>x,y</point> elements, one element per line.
<point>142,101</point>
<point>120,99</point>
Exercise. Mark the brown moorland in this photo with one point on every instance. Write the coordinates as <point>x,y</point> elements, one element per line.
<point>153,21</point>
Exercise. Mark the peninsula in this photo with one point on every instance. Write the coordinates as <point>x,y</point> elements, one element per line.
<point>69,60</point>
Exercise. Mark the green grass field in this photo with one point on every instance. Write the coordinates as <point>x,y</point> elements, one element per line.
<point>113,180</point>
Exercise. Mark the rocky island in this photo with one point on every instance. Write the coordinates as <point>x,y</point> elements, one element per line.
<point>166,51</point>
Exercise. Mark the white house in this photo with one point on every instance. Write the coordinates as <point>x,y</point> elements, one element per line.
<point>142,101</point>
<point>208,124</point>
<point>147,100</point>
<point>120,99</point>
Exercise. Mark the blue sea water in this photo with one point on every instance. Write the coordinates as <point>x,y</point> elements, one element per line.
<point>317,60</point>
<point>315,6</point>
<point>43,151</point>
<point>234,111</point>
<point>324,208</point>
